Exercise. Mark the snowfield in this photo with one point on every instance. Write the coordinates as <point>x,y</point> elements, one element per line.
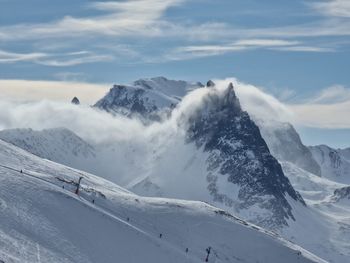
<point>42,220</point>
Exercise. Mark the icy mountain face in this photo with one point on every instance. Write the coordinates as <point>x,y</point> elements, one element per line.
<point>238,153</point>
<point>334,164</point>
<point>59,145</point>
<point>285,144</point>
<point>146,98</point>
<point>42,220</point>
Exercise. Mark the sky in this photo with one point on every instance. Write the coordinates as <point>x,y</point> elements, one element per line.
<point>297,51</point>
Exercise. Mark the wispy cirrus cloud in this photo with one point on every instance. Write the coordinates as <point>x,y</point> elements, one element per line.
<point>188,52</point>
<point>147,20</point>
<point>328,109</point>
<point>331,95</point>
<point>52,59</point>
<point>127,18</point>
<point>11,57</point>
<point>337,8</point>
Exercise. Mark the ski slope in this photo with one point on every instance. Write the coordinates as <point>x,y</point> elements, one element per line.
<point>42,220</point>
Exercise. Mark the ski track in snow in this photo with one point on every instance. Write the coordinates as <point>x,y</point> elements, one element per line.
<point>181,222</point>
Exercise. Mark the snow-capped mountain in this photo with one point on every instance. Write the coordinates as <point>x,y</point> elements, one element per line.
<point>285,144</point>
<point>147,98</point>
<point>207,148</point>
<point>223,152</point>
<point>59,145</point>
<point>239,155</point>
<point>334,164</point>
<point>43,220</point>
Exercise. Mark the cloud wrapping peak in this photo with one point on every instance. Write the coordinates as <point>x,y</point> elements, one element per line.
<point>327,110</point>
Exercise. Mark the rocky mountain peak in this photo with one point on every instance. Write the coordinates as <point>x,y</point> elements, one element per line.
<point>210,84</point>
<point>75,101</point>
<point>239,155</point>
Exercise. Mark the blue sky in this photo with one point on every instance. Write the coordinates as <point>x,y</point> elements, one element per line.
<point>296,50</point>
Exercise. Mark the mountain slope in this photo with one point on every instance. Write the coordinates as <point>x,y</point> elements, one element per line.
<point>42,220</point>
<point>223,152</point>
<point>285,144</point>
<point>334,164</point>
<point>325,226</point>
<point>59,145</point>
<point>147,98</point>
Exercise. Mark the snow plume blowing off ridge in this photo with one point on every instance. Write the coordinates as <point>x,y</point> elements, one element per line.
<point>97,126</point>
<point>152,149</point>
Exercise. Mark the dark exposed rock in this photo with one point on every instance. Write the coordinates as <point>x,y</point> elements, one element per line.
<point>75,101</point>
<point>237,150</point>
<point>210,84</point>
<point>341,193</point>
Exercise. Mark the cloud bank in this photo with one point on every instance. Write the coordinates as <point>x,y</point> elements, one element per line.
<point>31,90</point>
<point>329,109</point>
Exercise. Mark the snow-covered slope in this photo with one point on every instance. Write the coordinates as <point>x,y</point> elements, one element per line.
<point>58,144</point>
<point>148,98</point>
<point>334,164</point>
<point>325,226</point>
<point>285,144</point>
<point>208,149</point>
<point>42,220</point>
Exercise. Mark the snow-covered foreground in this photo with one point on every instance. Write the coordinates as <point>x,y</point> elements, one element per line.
<point>323,228</point>
<point>42,220</point>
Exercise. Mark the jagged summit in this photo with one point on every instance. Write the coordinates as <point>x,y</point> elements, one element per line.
<point>239,155</point>
<point>75,101</point>
<point>210,84</point>
<point>225,154</point>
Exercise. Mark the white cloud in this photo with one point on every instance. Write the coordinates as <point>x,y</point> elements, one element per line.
<point>331,95</point>
<point>305,49</point>
<point>338,8</point>
<point>265,42</point>
<point>330,116</point>
<point>11,57</point>
<point>146,19</point>
<point>102,127</point>
<point>127,18</point>
<point>328,109</point>
<point>55,60</point>
<point>75,61</point>
<point>30,90</point>
<point>189,52</point>
<point>257,102</point>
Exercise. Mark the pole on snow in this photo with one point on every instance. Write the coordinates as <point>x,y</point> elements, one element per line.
<point>78,186</point>
<point>208,253</point>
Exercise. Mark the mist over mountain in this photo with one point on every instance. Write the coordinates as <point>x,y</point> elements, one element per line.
<point>213,143</point>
